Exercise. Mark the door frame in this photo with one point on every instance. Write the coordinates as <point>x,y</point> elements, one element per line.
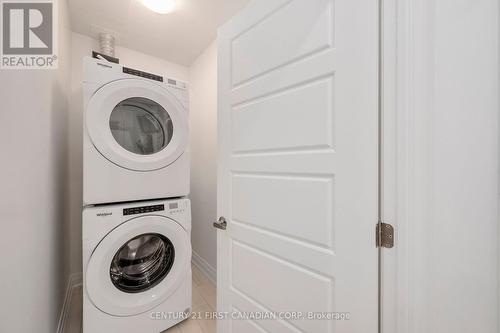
<point>407,72</point>
<point>407,40</point>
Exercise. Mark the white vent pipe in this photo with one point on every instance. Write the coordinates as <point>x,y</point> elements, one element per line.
<point>107,44</point>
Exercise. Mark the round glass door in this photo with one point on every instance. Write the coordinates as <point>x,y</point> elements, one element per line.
<point>137,125</point>
<point>141,125</point>
<point>134,268</point>
<point>142,262</point>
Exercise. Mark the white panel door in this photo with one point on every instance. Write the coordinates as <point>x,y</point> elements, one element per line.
<point>297,178</point>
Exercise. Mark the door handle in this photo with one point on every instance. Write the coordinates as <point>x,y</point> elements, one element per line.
<point>221,223</point>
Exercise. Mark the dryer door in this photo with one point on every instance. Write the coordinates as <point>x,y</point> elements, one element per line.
<point>137,124</point>
<point>138,265</point>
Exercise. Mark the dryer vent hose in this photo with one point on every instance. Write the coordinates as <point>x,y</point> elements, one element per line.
<point>107,44</point>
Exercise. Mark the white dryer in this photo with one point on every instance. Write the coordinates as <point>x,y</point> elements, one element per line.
<point>135,144</point>
<point>136,266</point>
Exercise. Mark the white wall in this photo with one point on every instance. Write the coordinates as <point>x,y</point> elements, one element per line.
<point>33,129</point>
<point>82,46</point>
<point>203,127</point>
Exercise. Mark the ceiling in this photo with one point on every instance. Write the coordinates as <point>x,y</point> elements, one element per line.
<point>177,37</point>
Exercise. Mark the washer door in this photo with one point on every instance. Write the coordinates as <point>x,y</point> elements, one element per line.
<point>137,124</point>
<point>138,265</point>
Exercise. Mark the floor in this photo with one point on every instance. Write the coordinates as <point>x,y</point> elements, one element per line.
<point>203,301</point>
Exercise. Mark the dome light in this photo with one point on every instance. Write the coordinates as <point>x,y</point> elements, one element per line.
<point>160,6</point>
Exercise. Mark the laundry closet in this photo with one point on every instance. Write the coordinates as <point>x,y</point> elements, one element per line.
<point>191,165</point>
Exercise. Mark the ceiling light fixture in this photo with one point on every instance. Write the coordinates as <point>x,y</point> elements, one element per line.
<point>160,6</point>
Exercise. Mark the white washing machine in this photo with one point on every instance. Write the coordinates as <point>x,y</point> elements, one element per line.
<point>135,144</point>
<point>136,266</point>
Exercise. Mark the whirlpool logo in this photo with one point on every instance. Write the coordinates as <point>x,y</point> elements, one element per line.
<point>28,34</point>
<point>104,214</point>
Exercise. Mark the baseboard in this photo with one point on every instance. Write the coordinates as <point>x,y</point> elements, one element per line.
<point>205,267</point>
<point>74,281</point>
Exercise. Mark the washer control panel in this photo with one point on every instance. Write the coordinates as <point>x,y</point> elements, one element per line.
<point>143,209</point>
<point>176,207</point>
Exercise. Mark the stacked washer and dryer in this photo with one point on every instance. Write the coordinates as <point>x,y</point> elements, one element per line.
<point>136,224</point>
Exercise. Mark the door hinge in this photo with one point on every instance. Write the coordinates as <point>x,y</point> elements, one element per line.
<point>221,223</point>
<point>384,235</point>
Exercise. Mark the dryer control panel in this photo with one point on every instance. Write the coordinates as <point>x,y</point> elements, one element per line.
<point>145,75</point>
